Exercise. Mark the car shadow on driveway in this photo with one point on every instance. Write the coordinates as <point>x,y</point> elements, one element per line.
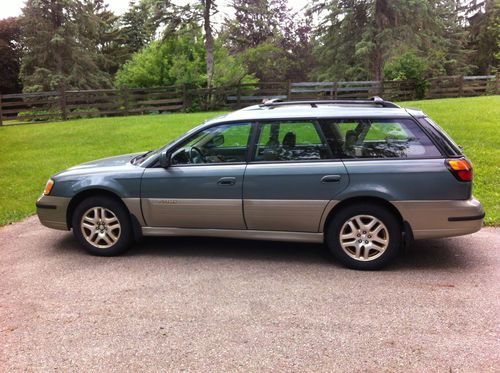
<point>428,254</point>
<point>231,249</point>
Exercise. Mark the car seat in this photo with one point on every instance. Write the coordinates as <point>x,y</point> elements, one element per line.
<point>289,140</point>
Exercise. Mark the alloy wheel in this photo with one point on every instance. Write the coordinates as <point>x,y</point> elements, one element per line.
<point>364,237</point>
<point>100,227</point>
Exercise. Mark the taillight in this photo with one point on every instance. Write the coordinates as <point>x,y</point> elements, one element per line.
<point>460,168</point>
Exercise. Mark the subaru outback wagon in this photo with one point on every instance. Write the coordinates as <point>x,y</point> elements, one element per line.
<point>363,176</point>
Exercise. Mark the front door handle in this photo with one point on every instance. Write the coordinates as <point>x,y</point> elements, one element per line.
<point>330,178</point>
<point>227,181</point>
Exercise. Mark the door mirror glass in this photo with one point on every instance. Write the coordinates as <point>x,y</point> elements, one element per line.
<point>164,159</point>
<point>217,140</point>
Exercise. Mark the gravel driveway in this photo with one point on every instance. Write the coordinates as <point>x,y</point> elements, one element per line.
<point>226,305</point>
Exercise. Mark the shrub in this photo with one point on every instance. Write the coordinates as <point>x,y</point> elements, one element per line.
<point>408,66</point>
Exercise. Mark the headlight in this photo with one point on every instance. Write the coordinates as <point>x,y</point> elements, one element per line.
<point>48,187</point>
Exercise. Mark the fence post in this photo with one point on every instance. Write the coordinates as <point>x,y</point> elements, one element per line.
<point>497,83</point>
<point>184,97</point>
<point>62,102</point>
<point>1,116</point>
<point>460,86</point>
<point>289,91</point>
<point>381,88</point>
<point>125,99</point>
<point>238,94</point>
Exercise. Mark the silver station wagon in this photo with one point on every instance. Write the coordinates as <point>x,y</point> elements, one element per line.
<point>363,176</point>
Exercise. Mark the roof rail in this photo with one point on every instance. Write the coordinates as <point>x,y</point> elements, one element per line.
<point>375,100</point>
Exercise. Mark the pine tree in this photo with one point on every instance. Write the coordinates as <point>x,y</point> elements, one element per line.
<point>357,37</point>
<point>483,25</point>
<point>10,55</point>
<point>103,35</point>
<point>138,25</point>
<point>274,40</point>
<point>57,55</point>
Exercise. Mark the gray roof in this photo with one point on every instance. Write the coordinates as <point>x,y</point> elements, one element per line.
<point>299,111</point>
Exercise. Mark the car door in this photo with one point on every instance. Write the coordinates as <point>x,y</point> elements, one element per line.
<point>202,187</point>
<point>292,177</point>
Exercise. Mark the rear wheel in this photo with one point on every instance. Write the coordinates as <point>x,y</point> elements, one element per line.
<point>102,226</point>
<point>364,236</point>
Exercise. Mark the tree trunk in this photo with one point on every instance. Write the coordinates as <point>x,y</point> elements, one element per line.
<point>382,20</point>
<point>209,41</point>
<point>56,25</point>
<point>378,63</point>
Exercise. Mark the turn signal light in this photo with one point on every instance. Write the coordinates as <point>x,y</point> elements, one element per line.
<point>460,168</point>
<point>48,187</point>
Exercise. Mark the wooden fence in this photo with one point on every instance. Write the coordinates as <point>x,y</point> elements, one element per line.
<point>43,106</point>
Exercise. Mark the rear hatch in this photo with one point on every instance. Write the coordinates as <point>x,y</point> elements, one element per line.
<point>456,162</point>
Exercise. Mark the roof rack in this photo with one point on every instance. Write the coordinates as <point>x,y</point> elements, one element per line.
<point>314,103</point>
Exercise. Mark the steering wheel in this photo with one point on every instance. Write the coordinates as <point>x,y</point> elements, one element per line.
<point>196,156</point>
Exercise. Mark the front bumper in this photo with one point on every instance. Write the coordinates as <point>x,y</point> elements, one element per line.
<point>436,219</point>
<point>52,211</point>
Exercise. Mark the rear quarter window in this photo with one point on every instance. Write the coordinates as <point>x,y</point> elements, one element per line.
<point>379,138</point>
<point>441,137</point>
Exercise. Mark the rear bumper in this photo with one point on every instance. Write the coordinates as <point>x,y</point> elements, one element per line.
<point>51,211</point>
<point>436,219</point>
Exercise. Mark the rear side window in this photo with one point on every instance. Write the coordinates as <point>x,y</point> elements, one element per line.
<point>290,141</point>
<point>441,137</point>
<point>379,138</point>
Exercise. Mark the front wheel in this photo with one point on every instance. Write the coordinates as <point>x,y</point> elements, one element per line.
<point>364,236</point>
<point>102,226</point>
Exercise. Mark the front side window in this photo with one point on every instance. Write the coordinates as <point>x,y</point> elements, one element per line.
<point>227,143</point>
<point>290,141</point>
<point>379,138</point>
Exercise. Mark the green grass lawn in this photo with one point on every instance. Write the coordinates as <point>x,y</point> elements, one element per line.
<point>31,153</point>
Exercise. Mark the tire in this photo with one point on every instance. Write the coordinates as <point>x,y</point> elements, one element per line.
<point>102,226</point>
<point>371,236</point>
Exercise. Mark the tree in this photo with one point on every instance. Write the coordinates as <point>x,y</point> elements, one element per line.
<point>408,66</point>
<point>255,21</point>
<point>180,59</point>
<point>208,6</point>
<point>357,37</point>
<point>138,25</point>
<point>484,35</point>
<point>173,17</point>
<point>268,33</point>
<point>338,40</point>
<point>10,55</point>
<point>103,35</point>
<point>57,54</point>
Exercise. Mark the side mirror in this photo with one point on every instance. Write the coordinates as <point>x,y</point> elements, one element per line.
<point>165,159</point>
<point>217,140</point>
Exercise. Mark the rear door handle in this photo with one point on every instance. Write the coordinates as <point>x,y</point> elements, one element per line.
<point>227,181</point>
<point>330,178</point>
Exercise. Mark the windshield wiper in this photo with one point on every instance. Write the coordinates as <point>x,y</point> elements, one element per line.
<point>140,157</point>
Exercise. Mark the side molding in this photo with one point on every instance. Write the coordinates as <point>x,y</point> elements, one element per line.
<point>234,233</point>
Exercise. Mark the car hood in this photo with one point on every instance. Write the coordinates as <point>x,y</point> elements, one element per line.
<point>118,160</point>
<point>104,165</point>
